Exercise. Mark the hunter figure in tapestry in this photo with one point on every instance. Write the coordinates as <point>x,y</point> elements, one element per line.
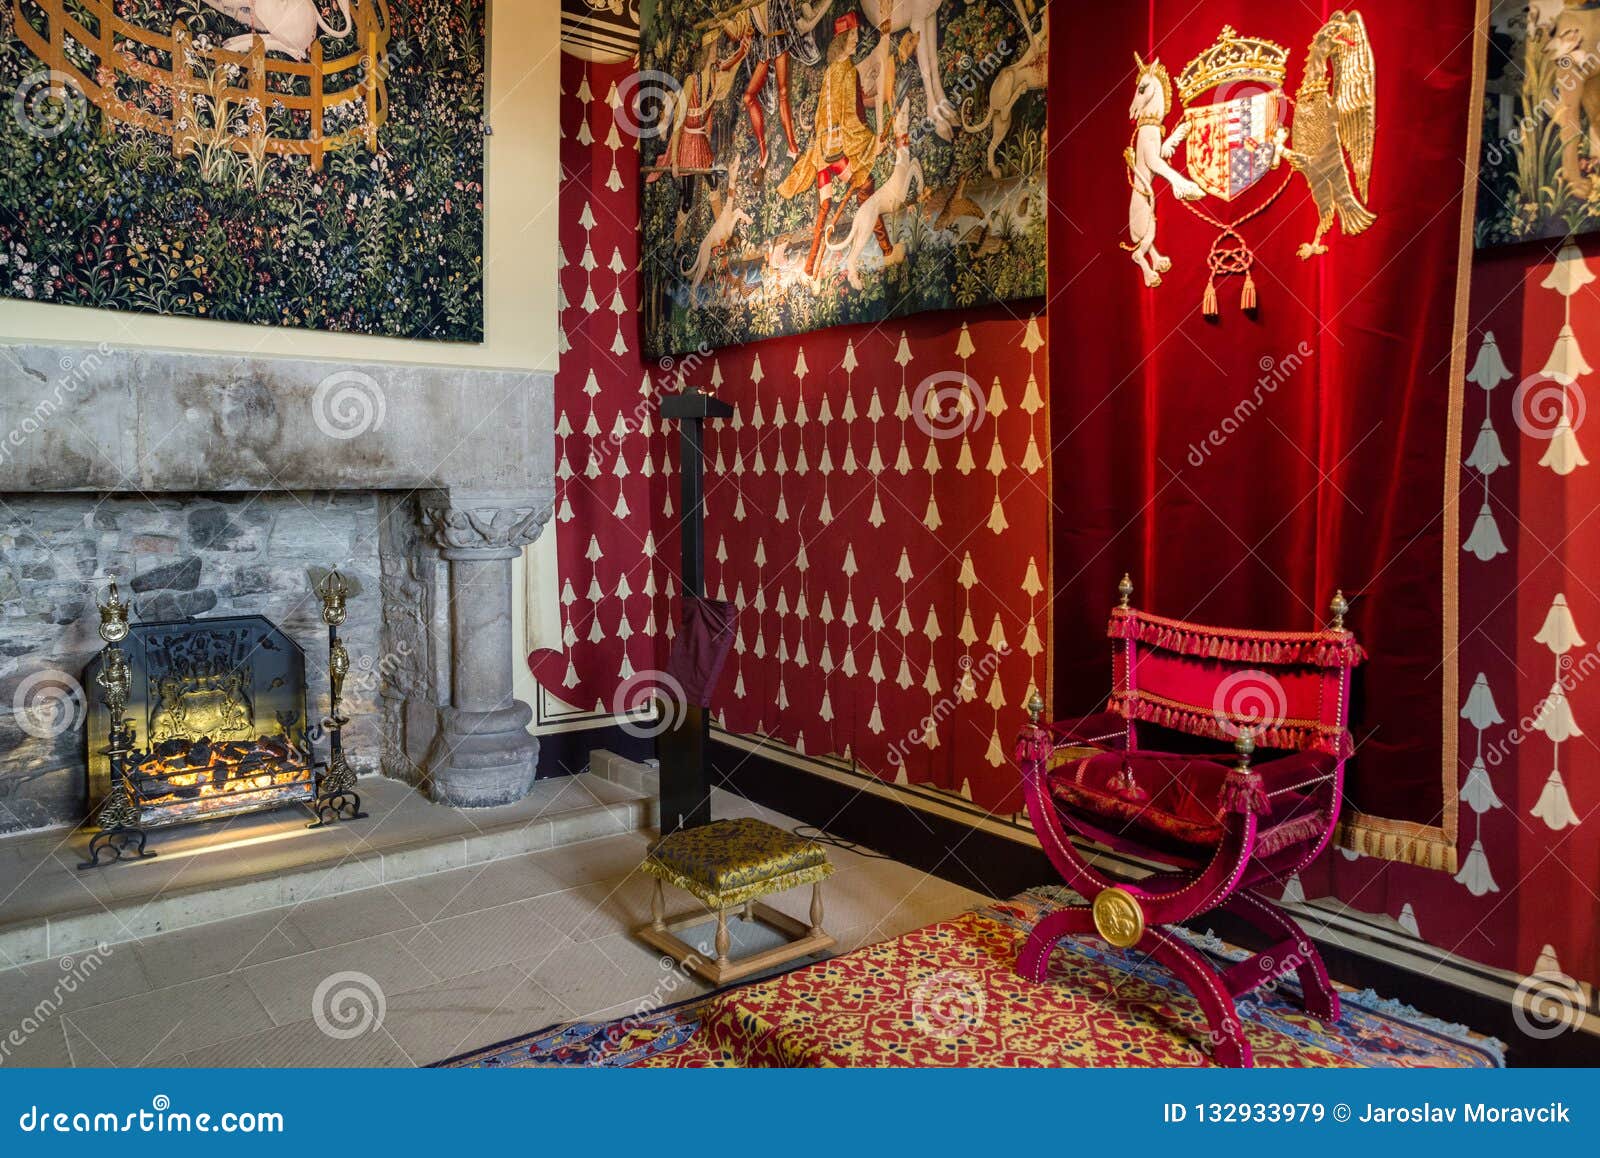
<point>278,162</point>
<point>881,158</point>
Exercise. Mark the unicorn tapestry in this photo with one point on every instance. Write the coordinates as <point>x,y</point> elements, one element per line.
<point>306,163</point>
<point>812,163</point>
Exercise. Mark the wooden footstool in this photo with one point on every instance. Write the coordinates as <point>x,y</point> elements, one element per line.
<point>727,865</point>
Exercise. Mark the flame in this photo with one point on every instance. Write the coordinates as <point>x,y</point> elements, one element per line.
<point>228,770</point>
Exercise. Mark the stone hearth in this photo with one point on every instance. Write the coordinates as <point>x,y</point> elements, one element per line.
<point>211,485</point>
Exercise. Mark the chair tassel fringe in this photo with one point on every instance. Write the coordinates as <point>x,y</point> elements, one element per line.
<point>1247,299</point>
<point>1208,304</point>
<point>1242,792</point>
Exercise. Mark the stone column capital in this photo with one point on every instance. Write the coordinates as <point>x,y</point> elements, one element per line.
<point>474,525</point>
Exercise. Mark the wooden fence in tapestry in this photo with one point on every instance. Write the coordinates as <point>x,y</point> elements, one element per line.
<point>213,81</point>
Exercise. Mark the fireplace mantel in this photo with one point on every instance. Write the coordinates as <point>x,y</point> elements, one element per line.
<point>462,461</point>
<point>159,421</point>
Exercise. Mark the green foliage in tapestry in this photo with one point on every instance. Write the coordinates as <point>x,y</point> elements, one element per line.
<point>327,175</point>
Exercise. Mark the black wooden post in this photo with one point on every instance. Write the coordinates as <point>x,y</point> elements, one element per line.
<point>685,787</point>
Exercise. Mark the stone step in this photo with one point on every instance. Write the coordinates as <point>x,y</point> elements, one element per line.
<point>204,873</point>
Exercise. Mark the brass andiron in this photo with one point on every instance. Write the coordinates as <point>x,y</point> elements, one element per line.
<point>336,797</point>
<point>120,831</point>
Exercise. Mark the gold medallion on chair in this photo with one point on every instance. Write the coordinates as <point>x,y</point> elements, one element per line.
<point>1239,126</point>
<point>1118,917</point>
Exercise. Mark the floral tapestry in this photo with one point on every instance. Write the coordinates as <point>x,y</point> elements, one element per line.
<point>812,163</point>
<point>306,163</point>
<point>1541,129</point>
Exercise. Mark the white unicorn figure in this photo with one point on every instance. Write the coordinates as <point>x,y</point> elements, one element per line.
<point>286,26</point>
<point>1147,159</point>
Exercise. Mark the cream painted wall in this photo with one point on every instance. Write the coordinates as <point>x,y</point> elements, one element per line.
<point>523,179</point>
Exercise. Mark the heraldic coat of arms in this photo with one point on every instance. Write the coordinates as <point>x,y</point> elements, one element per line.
<point>1239,128</point>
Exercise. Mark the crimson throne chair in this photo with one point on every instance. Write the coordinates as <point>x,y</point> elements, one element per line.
<point>1229,827</point>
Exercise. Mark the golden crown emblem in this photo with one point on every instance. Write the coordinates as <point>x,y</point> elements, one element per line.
<point>1234,58</point>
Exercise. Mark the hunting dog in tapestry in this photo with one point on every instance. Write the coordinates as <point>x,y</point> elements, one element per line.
<point>888,198</point>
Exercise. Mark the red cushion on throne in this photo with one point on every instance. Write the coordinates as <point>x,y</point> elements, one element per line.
<point>1174,800</point>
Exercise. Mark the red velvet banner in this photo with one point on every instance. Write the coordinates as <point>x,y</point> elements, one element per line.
<point>1243,467</point>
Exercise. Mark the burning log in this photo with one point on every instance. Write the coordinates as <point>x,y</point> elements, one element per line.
<point>174,746</point>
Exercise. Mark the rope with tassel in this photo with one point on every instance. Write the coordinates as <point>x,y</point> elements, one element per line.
<point>1231,255</point>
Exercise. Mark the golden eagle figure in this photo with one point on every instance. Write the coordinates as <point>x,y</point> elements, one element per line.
<point>1335,114</point>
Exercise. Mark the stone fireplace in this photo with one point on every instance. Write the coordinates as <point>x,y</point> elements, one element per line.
<point>225,487</point>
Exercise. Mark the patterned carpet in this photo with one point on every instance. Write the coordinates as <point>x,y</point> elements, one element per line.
<point>948,995</point>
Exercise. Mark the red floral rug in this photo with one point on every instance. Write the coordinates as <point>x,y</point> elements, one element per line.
<point>948,995</point>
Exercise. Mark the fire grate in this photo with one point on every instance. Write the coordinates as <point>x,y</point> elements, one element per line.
<point>221,705</point>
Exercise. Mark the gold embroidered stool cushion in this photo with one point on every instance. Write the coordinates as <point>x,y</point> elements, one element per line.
<point>728,864</point>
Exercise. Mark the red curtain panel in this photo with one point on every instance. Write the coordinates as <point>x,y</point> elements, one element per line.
<point>1243,467</point>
